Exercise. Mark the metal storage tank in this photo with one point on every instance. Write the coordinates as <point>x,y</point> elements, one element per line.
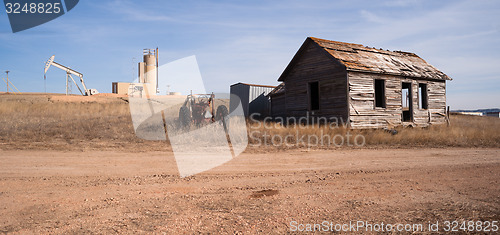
<point>253,98</point>
<point>147,70</point>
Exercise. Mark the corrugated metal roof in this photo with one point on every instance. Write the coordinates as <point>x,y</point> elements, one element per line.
<point>248,84</point>
<point>356,57</point>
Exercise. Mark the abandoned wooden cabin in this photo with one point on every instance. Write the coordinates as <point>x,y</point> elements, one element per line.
<point>365,87</point>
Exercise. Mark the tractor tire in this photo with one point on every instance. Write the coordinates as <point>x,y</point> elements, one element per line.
<point>221,114</point>
<point>184,117</point>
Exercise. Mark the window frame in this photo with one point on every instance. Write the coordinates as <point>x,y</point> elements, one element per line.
<point>421,92</point>
<point>384,91</point>
<point>309,94</point>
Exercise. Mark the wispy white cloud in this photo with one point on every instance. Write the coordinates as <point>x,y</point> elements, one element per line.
<point>134,11</point>
<point>459,38</point>
<point>401,3</point>
<point>373,18</point>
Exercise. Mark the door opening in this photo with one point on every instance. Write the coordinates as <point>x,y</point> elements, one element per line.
<point>407,104</point>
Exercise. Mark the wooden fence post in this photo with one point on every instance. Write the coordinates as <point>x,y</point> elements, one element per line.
<point>448,115</point>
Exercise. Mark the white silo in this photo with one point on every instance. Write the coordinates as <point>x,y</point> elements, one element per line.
<point>148,73</point>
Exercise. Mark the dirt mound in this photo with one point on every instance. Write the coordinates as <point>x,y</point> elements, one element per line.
<point>266,192</point>
<point>109,95</point>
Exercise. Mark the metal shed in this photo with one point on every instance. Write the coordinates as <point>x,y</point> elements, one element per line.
<point>493,114</point>
<point>253,98</point>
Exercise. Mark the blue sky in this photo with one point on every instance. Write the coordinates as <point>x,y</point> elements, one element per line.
<point>253,41</point>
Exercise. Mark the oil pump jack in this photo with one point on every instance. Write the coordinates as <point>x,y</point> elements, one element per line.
<point>69,72</point>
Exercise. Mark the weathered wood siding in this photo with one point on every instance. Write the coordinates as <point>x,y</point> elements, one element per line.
<point>435,114</point>
<point>364,114</point>
<point>316,65</point>
<point>278,106</point>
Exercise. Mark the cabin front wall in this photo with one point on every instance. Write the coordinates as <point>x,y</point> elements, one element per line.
<point>364,114</point>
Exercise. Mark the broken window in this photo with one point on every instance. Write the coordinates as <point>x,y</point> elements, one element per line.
<point>380,93</point>
<point>422,96</point>
<point>314,95</point>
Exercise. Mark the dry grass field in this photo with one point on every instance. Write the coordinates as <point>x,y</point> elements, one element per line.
<point>77,123</point>
<point>37,121</point>
<point>464,131</point>
<point>74,165</point>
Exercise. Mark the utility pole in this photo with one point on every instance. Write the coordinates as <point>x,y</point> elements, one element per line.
<point>67,80</point>
<point>7,72</point>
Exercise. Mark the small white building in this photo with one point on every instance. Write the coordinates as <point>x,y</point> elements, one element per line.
<point>471,113</point>
<point>120,88</point>
<point>493,114</point>
<point>253,98</point>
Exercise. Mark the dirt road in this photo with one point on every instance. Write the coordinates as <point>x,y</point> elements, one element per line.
<point>103,192</point>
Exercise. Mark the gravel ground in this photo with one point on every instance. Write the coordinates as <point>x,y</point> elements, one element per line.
<point>117,192</point>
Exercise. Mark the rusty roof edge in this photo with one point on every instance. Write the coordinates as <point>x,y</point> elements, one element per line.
<point>446,77</point>
<point>329,55</point>
<point>330,41</point>
<point>363,47</point>
<point>278,90</point>
<point>276,93</point>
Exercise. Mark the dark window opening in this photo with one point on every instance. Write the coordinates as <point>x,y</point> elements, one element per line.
<point>379,93</point>
<point>422,95</point>
<point>314,95</point>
